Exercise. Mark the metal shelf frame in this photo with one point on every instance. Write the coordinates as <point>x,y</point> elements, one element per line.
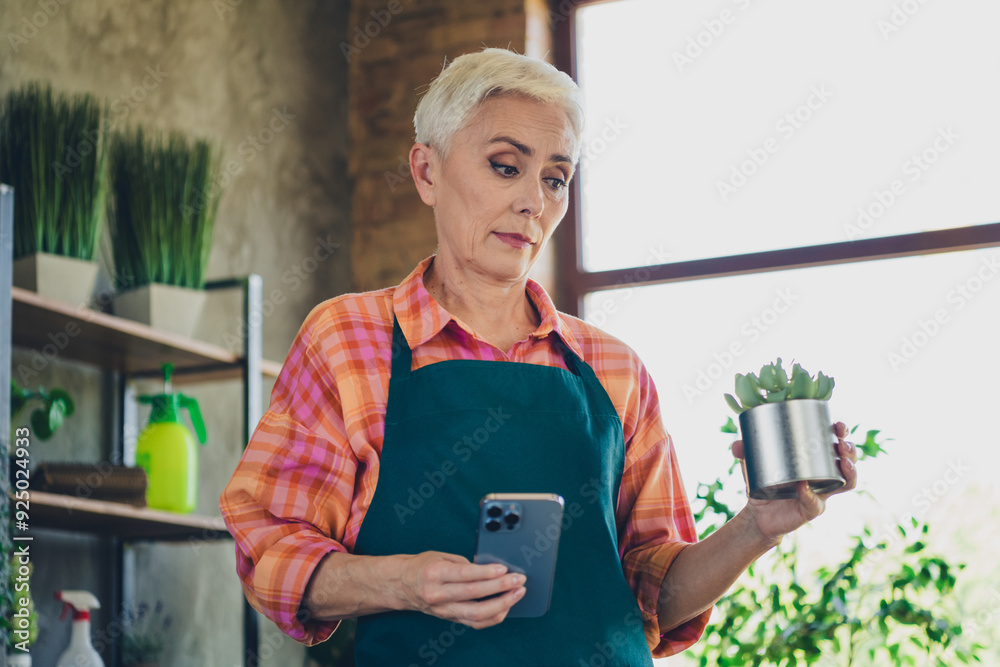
<point>249,367</point>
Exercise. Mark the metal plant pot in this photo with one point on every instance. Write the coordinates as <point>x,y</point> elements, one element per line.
<point>789,442</point>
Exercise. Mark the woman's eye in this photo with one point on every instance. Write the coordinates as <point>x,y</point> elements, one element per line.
<point>503,169</point>
<point>556,183</point>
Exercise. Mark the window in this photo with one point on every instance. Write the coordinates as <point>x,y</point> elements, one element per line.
<point>756,126</point>
<point>743,164</point>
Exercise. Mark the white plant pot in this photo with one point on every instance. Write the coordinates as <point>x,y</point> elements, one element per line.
<point>55,277</point>
<point>19,659</point>
<point>165,307</point>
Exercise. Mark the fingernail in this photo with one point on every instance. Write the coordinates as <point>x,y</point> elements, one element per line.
<point>850,446</point>
<point>518,580</point>
<point>849,463</point>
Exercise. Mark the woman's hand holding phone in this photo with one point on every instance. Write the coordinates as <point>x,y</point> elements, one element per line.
<point>482,594</point>
<point>450,587</point>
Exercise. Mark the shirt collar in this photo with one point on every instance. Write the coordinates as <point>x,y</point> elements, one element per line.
<point>421,317</point>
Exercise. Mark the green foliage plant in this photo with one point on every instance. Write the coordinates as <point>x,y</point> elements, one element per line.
<point>162,208</point>
<point>773,385</point>
<point>56,406</point>
<point>53,151</point>
<point>886,603</point>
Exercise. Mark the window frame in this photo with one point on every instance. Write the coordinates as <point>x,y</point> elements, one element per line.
<point>573,282</point>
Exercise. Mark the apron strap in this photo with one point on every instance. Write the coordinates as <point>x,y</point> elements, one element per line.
<point>575,364</point>
<point>402,358</point>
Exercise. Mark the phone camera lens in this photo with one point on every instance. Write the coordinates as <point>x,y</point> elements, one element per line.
<point>493,525</point>
<point>494,512</point>
<point>512,519</point>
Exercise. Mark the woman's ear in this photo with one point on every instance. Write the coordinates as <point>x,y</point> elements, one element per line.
<point>424,164</point>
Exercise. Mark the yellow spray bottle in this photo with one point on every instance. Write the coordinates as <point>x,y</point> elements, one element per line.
<point>167,452</point>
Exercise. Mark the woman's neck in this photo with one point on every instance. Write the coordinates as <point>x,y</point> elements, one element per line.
<point>499,312</point>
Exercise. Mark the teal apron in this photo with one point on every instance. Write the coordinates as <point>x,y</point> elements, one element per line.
<point>458,430</point>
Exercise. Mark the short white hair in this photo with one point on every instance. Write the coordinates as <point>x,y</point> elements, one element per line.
<point>459,91</point>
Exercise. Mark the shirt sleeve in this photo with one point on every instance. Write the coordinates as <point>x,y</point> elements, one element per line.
<point>654,519</point>
<point>288,502</point>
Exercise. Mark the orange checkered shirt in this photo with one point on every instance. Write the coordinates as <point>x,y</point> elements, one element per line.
<point>310,470</point>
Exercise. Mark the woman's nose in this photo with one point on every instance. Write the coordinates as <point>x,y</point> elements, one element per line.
<point>530,200</point>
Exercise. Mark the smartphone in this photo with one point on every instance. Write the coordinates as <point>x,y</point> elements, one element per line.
<point>521,531</point>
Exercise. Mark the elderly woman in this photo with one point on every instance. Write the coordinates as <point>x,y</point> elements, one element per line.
<point>398,410</point>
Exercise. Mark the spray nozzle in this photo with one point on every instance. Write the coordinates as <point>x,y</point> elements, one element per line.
<point>168,370</point>
<point>167,406</point>
<point>79,602</point>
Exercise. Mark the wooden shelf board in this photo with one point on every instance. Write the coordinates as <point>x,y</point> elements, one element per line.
<point>55,329</point>
<point>98,517</point>
<point>271,369</point>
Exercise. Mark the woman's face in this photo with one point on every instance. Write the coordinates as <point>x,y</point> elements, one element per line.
<point>502,189</point>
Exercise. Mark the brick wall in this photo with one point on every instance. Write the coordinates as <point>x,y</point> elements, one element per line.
<point>394,49</point>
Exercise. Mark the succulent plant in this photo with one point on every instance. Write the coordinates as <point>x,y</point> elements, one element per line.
<point>773,385</point>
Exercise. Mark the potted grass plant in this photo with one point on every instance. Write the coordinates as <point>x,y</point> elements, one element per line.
<point>788,436</point>
<point>162,210</point>
<point>53,153</point>
<point>145,635</point>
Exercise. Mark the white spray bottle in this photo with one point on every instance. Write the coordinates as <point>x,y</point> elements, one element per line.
<point>80,652</point>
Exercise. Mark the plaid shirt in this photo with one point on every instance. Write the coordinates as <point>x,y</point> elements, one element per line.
<point>310,470</point>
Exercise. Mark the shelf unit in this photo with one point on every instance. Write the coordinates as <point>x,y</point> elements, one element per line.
<point>127,350</point>
<point>98,517</point>
<point>120,345</point>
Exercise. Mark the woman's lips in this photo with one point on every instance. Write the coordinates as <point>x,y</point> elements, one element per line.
<point>518,241</point>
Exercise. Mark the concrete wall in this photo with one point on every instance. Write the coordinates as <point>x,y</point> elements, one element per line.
<point>341,80</point>
<point>266,81</point>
